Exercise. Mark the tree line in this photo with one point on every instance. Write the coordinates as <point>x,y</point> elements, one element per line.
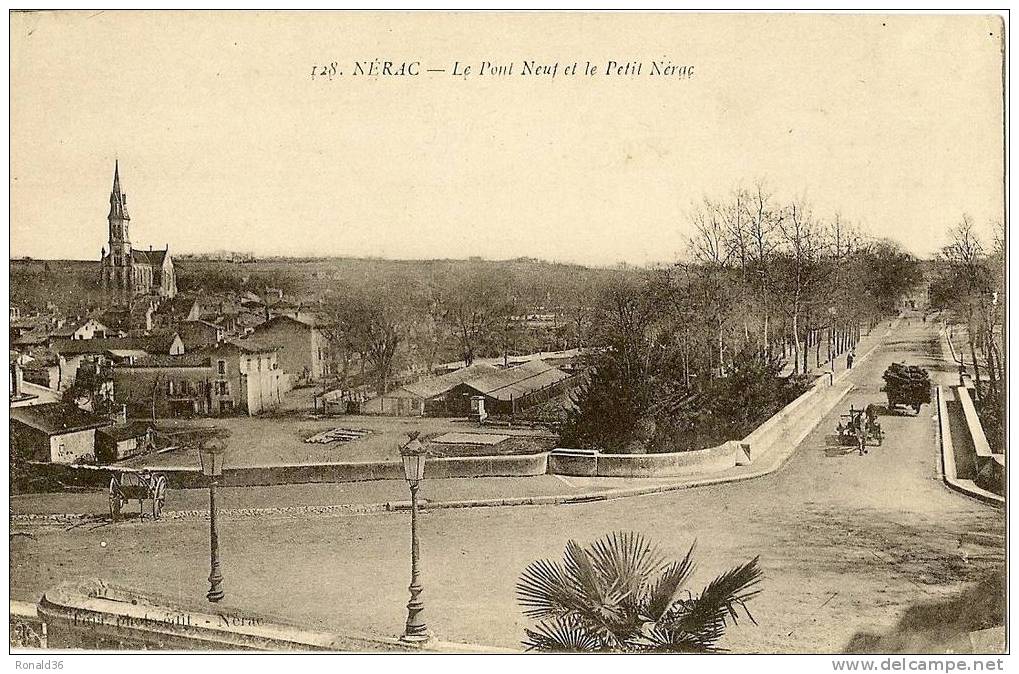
<point>697,353</point>
<point>969,286</point>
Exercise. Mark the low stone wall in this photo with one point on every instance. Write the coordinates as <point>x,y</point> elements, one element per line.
<point>966,468</point>
<point>95,615</point>
<point>787,427</point>
<point>576,462</point>
<point>797,419</point>
<point>990,467</point>
<point>518,465</point>
<point>28,631</point>
<point>581,463</point>
<point>672,464</point>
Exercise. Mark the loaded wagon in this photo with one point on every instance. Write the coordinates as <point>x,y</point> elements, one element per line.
<point>907,385</point>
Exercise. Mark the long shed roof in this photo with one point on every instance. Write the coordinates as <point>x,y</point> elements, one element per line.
<point>494,382</point>
<point>436,386</point>
<point>515,382</point>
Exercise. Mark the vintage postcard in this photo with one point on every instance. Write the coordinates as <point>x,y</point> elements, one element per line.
<point>506,332</point>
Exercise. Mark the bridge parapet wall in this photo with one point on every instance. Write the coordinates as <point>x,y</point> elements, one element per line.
<point>95,615</point>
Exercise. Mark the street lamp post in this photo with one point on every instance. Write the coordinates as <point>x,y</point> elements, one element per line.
<point>211,454</point>
<point>413,457</point>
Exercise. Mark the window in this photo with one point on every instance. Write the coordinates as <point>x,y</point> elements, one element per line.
<point>221,388</point>
<point>169,388</point>
<point>221,365</point>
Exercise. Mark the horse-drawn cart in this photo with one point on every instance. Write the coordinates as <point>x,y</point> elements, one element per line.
<point>137,486</point>
<point>907,385</point>
<point>859,428</point>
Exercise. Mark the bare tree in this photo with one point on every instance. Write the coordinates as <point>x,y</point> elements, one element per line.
<point>800,240</point>
<point>972,297</point>
<point>473,309</point>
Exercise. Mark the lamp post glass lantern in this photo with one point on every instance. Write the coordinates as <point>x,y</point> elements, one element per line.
<point>211,455</point>
<point>413,456</point>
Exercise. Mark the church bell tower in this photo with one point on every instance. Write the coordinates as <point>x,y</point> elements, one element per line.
<point>120,241</point>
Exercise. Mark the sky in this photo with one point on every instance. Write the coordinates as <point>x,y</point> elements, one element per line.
<point>226,142</point>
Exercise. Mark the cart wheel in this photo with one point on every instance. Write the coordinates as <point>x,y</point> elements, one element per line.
<point>158,496</point>
<point>114,500</point>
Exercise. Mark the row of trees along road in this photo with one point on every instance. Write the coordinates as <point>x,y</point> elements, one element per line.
<point>697,353</point>
<point>969,286</point>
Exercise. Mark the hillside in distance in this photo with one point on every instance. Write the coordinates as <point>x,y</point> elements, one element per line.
<point>74,285</point>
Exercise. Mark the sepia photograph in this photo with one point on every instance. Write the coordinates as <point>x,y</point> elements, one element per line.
<point>507,332</point>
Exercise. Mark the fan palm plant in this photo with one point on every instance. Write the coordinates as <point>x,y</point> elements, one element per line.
<point>621,594</point>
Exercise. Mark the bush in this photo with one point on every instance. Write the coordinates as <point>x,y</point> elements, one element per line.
<point>991,410</point>
<point>620,594</point>
<point>614,414</point>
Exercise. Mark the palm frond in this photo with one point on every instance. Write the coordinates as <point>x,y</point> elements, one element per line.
<point>561,635</point>
<point>598,604</point>
<point>661,639</point>
<point>626,560</point>
<point>661,595</point>
<point>706,616</point>
<point>544,590</point>
<point>583,573</point>
<point>619,594</point>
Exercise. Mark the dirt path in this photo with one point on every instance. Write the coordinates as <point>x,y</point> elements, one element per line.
<point>846,542</point>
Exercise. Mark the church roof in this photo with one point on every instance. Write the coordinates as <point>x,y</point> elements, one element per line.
<point>153,258</point>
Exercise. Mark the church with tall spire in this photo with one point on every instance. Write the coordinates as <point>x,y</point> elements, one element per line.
<point>127,271</point>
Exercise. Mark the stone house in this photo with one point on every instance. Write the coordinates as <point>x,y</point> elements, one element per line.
<point>172,312</point>
<point>71,353</point>
<point>168,386</point>
<point>198,333</point>
<point>87,328</point>
<point>24,393</point>
<point>224,379</point>
<point>247,378</point>
<point>122,441</point>
<point>305,352</point>
<point>55,432</point>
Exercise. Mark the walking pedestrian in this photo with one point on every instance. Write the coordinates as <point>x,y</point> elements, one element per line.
<point>850,358</point>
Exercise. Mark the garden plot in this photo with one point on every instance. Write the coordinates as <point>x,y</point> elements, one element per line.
<point>470,439</point>
<point>338,435</point>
